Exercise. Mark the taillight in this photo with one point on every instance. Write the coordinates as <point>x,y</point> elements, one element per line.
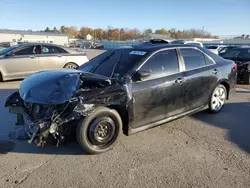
<point>235,67</point>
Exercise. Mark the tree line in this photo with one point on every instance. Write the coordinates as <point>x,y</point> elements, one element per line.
<point>127,34</point>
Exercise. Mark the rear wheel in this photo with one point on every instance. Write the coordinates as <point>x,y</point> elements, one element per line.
<point>218,99</point>
<point>70,66</point>
<point>99,131</point>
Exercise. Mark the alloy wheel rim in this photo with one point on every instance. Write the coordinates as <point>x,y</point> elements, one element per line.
<point>218,99</point>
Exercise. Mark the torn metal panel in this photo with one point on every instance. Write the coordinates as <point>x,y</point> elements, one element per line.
<point>49,101</point>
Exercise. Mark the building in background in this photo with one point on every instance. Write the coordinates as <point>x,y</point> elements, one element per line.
<point>17,36</point>
<point>88,37</point>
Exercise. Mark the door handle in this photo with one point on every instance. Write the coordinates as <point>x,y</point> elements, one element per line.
<point>179,80</point>
<point>215,71</point>
<point>32,57</point>
<point>59,56</point>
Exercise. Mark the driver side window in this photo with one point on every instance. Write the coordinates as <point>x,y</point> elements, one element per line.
<point>162,63</point>
<point>30,50</point>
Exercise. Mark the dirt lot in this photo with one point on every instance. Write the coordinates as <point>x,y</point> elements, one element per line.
<point>202,150</point>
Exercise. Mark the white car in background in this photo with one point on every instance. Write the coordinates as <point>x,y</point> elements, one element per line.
<point>17,62</point>
<point>215,48</point>
<point>187,42</point>
<point>194,43</point>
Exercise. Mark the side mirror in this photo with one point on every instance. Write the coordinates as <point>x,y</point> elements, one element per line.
<point>142,75</point>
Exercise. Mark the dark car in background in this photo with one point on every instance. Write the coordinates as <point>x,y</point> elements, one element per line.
<point>127,90</point>
<point>241,56</point>
<point>225,49</point>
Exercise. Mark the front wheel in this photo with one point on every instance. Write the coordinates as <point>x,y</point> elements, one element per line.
<point>218,99</point>
<point>99,132</point>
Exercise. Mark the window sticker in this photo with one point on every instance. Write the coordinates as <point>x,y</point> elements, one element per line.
<point>137,53</point>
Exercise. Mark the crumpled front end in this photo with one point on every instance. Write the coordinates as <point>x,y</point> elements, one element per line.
<point>51,107</point>
<point>40,122</point>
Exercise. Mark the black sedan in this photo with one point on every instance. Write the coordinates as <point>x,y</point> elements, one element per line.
<point>241,56</point>
<point>127,90</point>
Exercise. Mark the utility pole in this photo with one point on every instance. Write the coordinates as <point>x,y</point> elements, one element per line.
<point>119,35</point>
<point>203,32</point>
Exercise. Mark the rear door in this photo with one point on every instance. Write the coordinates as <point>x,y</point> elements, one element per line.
<point>159,95</point>
<point>200,77</point>
<point>22,62</point>
<point>51,58</point>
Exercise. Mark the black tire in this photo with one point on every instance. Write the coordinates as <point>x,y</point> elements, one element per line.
<point>90,131</point>
<point>1,78</point>
<point>70,66</point>
<point>211,101</point>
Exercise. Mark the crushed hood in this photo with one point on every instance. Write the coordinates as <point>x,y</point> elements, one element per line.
<point>53,87</point>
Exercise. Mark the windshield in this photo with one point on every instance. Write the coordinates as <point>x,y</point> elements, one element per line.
<point>238,53</point>
<point>6,50</point>
<point>113,62</point>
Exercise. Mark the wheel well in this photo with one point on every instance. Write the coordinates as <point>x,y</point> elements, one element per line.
<point>226,85</point>
<point>124,116</point>
<point>71,63</point>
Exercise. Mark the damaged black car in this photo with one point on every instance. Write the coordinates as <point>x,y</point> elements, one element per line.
<point>241,56</point>
<point>122,90</point>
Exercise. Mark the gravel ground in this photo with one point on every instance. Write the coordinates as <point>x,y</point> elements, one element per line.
<point>202,150</point>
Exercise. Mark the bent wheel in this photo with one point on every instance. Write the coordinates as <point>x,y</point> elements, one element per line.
<point>218,99</point>
<point>99,131</point>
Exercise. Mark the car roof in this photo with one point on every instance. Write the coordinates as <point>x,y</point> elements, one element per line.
<point>154,47</point>
<point>34,43</point>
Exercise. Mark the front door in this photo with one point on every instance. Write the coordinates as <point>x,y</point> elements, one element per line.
<point>159,95</point>
<point>21,62</point>
<point>200,77</point>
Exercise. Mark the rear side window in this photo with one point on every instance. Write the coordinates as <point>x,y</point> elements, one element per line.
<point>193,58</point>
<point>51,50</point>
<point>208,60</point>
<point>165,62</point>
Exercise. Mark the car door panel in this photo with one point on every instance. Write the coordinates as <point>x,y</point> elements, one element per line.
<point>200,80</point>
<point>160,95</point>
<point>157,99</point>
<point>51,59</point>
<point>197,86</point>
<point>21,65</point>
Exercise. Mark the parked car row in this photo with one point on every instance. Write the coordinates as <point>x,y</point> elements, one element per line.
<point>241,56</point>
<point>128,89</point>
<point>19,61</point>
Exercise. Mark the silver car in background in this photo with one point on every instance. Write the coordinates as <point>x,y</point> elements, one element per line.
<point>17,62</point>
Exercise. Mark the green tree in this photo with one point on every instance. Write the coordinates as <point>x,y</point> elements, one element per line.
<point>55,30</point>
<point>84,31</point>
<point>98,34</point>
<point>148,31</point>
<point>72,32</point>
<point>47,29</point>
<point>63,29</point>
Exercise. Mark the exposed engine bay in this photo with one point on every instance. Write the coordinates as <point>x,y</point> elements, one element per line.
<point>42,119</point>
